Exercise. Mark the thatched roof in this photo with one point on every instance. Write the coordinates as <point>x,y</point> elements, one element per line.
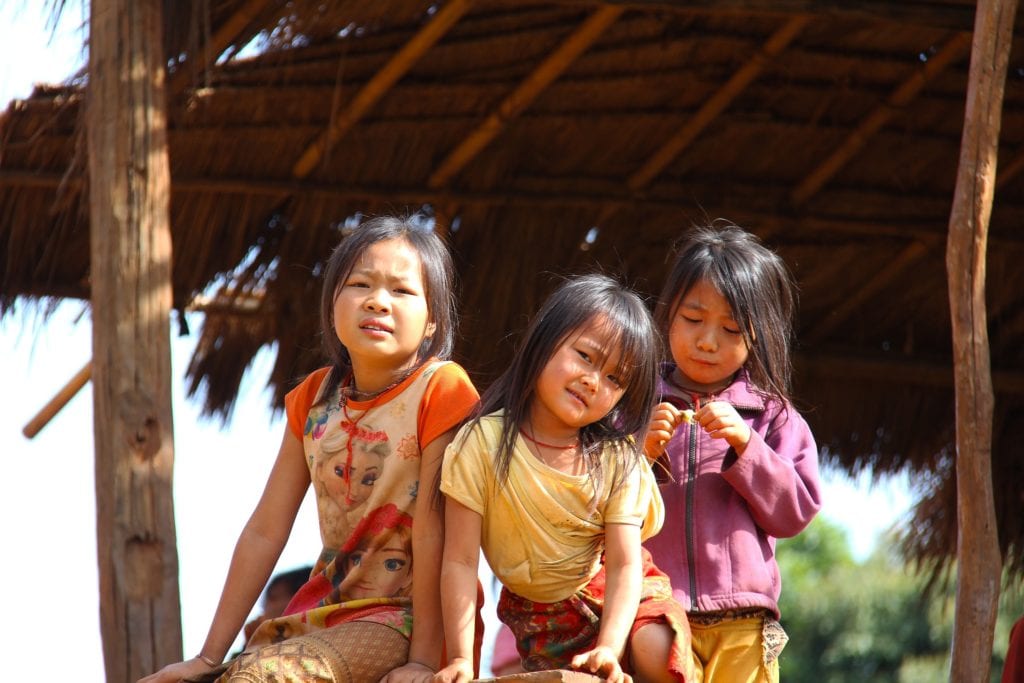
<point>560,136</point>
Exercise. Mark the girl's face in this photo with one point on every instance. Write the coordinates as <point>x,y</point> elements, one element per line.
<point>380,310</point>
<point>385,572</point>
<point>579,385</point>
<point>704,339</point>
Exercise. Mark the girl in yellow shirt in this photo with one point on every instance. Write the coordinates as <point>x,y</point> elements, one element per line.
<point>549,482</point>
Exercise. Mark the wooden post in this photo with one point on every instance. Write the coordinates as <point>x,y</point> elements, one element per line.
<point>978,560</point>
<point>129,195</point>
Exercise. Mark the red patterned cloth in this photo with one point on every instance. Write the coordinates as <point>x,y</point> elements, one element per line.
<point>549,635</point>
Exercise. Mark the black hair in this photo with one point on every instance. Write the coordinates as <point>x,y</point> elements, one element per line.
<point>758,287</point>
<point>294,579</point>
<point>438,282</point>
<point>570,308</point>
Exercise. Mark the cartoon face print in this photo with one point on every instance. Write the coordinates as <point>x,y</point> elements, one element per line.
<point>349,467</point>
<point>387,570</point>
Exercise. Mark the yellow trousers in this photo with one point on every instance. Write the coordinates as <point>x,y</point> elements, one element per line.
<point>733,652</point>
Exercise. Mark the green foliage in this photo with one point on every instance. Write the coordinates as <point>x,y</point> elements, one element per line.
<point>873,621</point>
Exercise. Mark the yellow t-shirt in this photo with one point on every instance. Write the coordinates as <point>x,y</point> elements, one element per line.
<point>541,532</point>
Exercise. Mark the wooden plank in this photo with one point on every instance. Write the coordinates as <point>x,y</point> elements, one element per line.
<point>525,93</point>
<point>954,49</point>
<point>130,248</point>
<point>717,103</point>
<point>979,564</point>
<point>380,84</point>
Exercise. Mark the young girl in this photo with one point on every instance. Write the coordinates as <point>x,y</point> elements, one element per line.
<point>548,480</point>
<point>388,317</point>
<point>743,463</point>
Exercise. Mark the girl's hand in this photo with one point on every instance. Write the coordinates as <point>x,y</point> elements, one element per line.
<point>721,421</point>
<point>172,673</point>
<point>602,662</point>
<point>664,420</point>
<point>413,672</point>
<point>459,670</point>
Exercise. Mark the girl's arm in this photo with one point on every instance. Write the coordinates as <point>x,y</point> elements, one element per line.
<point>458,589</point>
<point>623,571</point>
<point>777,475</point>
<point>427,547</point>
<point>258,548</point>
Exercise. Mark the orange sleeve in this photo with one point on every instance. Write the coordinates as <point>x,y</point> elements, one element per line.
<point>449,399</point>
<point>298,401</point>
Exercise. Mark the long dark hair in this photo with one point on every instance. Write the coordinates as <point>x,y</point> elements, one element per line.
<point>759,289</point>
<point>438,278</point>
<point>570,308</point>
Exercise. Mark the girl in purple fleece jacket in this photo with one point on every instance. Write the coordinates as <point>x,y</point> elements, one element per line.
<point>740,462</point>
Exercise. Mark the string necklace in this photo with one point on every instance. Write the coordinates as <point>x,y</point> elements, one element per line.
<point>349,392</point>
<point>548,445</point>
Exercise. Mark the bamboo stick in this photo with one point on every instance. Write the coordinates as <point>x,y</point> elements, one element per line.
<point>57,403</point>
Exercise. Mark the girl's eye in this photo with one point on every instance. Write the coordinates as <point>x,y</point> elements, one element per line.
<point>355,559</point>
<point>584,355</point>
<point>731,330</point>
<point>369,479</point>
<point>615,380</point>
<point>689,319</point>
<point>393,565</point>
<point>356,283</point>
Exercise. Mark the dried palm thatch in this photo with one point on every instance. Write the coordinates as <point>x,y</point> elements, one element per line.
<point>555,137</point>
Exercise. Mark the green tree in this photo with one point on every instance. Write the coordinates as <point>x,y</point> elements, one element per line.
<point>873,621</point>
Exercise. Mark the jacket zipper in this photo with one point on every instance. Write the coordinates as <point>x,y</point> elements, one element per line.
<point>691,482</point>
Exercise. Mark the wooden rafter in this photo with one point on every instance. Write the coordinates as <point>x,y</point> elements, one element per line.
<point>525,93</point>
<point>863,291</point>
<point>403,60</point>
<point>228,33</point>
<point>716,104</point>
<point>953,51</point>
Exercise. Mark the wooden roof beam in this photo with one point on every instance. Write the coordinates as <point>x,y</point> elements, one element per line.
<point>716,104</point>
<point>228,33</point>
<point>863,291</point>
<point>953,51</point>
<point>403,60</point>
<point>525,93</point>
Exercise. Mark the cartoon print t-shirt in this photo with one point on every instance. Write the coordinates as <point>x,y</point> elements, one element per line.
<point>364,464</point>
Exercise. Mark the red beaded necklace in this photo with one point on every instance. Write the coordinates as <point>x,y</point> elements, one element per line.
<point>547,445</point>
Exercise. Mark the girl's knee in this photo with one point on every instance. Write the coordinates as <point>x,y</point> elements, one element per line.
<point>650,651</point>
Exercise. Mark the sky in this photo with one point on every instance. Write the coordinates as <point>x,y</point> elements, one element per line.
<point>47,491</point>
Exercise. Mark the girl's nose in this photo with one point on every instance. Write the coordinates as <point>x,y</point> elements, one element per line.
<point>589,379</point>
<point>707,342</point>
<point>376,302</point>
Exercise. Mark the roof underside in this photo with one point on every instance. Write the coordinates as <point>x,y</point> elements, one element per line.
<point>524,127</point>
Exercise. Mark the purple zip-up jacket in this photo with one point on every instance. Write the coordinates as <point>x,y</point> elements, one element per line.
<point>723,512</point>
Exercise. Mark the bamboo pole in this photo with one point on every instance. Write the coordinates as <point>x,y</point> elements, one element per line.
<point>978,560</point>
<point>57,403</point>
<point>380,84</point>
<point>717,103</point>
<point>130,267</point>
<point>525,93</point>
<point>951,52</point>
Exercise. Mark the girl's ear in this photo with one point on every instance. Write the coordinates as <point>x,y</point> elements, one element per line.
<point>429,331</point>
